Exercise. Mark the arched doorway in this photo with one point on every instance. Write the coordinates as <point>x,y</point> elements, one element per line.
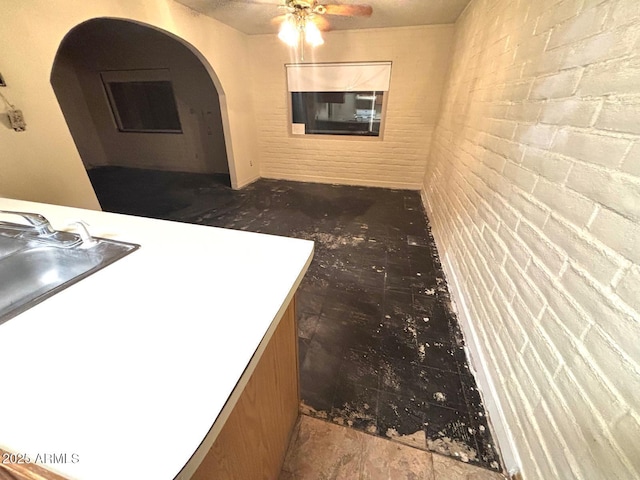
<point>135,97</point>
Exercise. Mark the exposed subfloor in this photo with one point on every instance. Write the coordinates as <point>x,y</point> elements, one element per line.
<point>380,348</point>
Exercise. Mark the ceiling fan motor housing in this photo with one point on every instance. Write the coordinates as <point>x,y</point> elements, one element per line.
<point>304,7</point>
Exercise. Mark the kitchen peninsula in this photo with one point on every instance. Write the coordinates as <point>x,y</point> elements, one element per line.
<point>176,361</point>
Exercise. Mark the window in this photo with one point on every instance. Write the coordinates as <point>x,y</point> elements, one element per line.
<point>338,113</point>
<point>338,98</point>
<point>144,104</point>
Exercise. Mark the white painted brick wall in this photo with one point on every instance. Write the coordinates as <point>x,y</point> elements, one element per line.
<point>420,57</point>
<point>540,130</point>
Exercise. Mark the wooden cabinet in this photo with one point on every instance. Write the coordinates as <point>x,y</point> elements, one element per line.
<point>254,439</point>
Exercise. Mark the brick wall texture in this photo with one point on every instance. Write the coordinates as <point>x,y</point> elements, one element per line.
<point>417,53</point>
<point>533,191</point>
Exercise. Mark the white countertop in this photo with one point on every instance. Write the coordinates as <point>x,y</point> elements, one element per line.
<point>129,368</point>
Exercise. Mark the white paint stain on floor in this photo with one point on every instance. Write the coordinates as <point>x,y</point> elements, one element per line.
<point>454,448</point>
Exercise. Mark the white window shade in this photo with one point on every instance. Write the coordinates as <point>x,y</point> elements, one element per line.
<point>339,77</point>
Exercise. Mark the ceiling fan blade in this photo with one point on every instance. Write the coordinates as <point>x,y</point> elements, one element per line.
<point>322,23</point>
<point>349,10</point>
<point>278,20</point>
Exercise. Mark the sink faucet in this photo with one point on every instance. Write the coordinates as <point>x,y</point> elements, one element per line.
<point>85,237</point>
<point>39,229</point>
<point>38,222</point>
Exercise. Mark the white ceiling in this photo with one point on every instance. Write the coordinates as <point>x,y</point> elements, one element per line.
<point>254,16</point>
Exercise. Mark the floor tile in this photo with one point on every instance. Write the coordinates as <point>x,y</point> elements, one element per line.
<point>433,321</point>
<point>287,476</point>
<point>318,372</point>
<point>322,451</point>
<point>402,419</point>
<point>360,367</point>
<point>379,346</point>
<point>450,432</point>
<point>399,341</point>
<point>384,460</point>
<point>337,333</point>
<point>448,469</point>
<point>307,324</point>
<point>431,385</point>
<point>439,354</point>
<point>355,406</point>
<point>398,307</point>
<point>325,450</point>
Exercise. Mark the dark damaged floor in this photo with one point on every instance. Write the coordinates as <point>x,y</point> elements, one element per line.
<point>380,349</point>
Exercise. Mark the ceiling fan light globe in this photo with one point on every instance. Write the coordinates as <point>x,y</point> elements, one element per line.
<point>288,33</point>
<point>312,35</point>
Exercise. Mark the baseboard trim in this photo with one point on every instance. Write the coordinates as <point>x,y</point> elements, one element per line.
<point>244,182</point>
<point>345,181</point>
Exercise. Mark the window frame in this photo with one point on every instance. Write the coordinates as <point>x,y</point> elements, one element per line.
<point>343,136</point>
<point>133,76</point>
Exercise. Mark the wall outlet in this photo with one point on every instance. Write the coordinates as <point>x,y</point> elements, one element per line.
<point>16,119</point>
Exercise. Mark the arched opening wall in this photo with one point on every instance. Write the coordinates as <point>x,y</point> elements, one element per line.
<point>43,163</point>
<point>159,81</point>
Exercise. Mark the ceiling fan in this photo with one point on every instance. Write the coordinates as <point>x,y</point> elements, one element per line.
<point>305,19</point>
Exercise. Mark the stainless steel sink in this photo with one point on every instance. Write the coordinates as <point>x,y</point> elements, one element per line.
<point>10,245</point>
<point>37,261</point>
